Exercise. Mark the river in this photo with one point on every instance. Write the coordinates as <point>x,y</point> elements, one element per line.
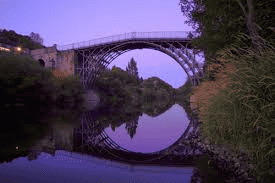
<point>55,156</point>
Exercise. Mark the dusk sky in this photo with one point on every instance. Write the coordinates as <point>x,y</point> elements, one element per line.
<point>65,22</point>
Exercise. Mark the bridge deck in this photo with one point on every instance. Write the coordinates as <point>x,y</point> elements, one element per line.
<point>154,36</point>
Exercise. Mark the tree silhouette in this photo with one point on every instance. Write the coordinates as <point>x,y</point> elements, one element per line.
<point>132,68</point>
<point>36,38</point>
<point>131,127</point>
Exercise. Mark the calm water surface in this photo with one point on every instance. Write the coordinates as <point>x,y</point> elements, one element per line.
<point>150,134</point>
<point>74,167</point>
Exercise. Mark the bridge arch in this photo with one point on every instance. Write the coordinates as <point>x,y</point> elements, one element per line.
<point>98,141</point>
<point>104,54</point>
<point>110,55</point>
<point>41,62</point>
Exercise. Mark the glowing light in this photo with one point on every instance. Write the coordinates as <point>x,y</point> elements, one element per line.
<point>5,49</point>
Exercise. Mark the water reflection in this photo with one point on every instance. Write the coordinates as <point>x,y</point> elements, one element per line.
<point>74,167</point>
<point>151,133</point>
<point>56,130</point>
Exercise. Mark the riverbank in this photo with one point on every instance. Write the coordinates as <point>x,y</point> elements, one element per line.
<point>239,166</point>
<point>237,111</point>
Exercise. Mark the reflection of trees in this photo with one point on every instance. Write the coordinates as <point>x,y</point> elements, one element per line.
<point>38,133</point>
<point>24,126</point>
<point>116,117</point>
<point>157,107</point>
<point>183,98</point>
<point>58,133</point>
<point>131,126</point>
<point>129,114</point>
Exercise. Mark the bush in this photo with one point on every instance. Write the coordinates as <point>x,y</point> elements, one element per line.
<point>20,74</point>
<point>23,80</point>
<point>238,108</point>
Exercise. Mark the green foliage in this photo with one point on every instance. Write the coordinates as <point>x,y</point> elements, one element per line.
<point>132,68</point>
<point>219,26</point>
<point>149,94</point>
<point>156,83</point>
<point>112,84</point>
<point>184,92</point>
<point>242,114</point>
<point>155,89</point>
<point>117,86</point>
<point>13,73</point>
<point>182,97</point>
<point>24,81</point>
<point>14,39</point>
<point>115,117</point>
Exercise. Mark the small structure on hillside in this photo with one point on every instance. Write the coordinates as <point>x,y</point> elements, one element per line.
<point>61,62</point>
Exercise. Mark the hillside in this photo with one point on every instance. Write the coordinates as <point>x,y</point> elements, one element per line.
<point>157,83</point>
<point>13,39</point>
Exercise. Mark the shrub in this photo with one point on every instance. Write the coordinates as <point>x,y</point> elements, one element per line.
<point>238,108</point>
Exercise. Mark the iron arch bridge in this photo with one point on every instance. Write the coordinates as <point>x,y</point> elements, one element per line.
<point>91,138</point>
<point>95,55</point>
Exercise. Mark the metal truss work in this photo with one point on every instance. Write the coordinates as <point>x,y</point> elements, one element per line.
<point>91,134</point>
<point>95,55</point>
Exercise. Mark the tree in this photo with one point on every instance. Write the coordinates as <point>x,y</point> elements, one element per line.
<point>132,68</point>
<point>190,35</point>
<point>220,26</point>
<point>13,39</point>
<point>251,25</point>
<point>188,7</point>
<point>36,38</point>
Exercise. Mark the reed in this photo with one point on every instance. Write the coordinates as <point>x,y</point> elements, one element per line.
<point>237,109</point>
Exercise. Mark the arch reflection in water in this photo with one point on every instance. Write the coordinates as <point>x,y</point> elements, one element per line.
<point>152,133</point>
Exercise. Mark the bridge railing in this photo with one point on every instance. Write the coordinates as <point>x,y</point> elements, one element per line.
<point>127,36</point>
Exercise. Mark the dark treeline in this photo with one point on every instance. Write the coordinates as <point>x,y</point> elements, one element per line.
<point>118,86</point>
<point>219,22</point>
<point>13,39</point>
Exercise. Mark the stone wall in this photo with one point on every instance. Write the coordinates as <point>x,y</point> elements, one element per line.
<point>61,62</point>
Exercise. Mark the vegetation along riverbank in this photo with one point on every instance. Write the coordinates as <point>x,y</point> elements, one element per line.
<point>31,92</point>
<point>236,109</point>
<point>235,101</point>
<point>118,87</point>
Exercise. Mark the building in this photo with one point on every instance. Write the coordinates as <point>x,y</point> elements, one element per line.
<point>61,62</point>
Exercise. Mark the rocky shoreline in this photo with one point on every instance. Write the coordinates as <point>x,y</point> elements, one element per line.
<point>238,166</point>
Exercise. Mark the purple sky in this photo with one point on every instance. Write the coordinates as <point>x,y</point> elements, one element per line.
<point>161,131</point>
<point>65,22</point>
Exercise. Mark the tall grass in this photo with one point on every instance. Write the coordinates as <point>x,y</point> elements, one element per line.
<point>237,109</point>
